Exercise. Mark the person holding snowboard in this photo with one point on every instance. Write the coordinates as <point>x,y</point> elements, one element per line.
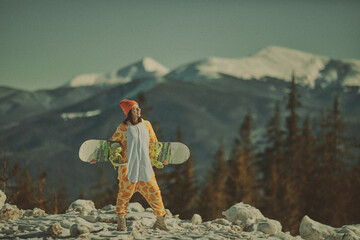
<point>135,134</point>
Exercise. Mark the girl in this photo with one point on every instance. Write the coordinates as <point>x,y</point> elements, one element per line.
<point>135,134</point>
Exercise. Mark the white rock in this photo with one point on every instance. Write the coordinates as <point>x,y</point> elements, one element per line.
<point>343,236</point>
<point>107,218</point>
<point>312,230</point>
<point>207,224</point>
<point>34,212</point>
<point>285,236</point>
<point>196,219</point>
<point>10,212</point>
<point>350,232</point>
<point>81,206</point>
<point>91,218</point>
<point>66,223</point>
<point>270,226</point>
<point>109,207</point>
<point>77,229</point>
<point>222,221</point>
<point>2,199</point>
<point>168,213</point>
<point>54,230</point>
<point>267,226</point>
<point>243,212</point>
<point>186,224</point>
<point>135,207</point>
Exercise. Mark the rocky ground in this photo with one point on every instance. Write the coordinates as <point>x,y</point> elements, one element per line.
<point>83,220</point>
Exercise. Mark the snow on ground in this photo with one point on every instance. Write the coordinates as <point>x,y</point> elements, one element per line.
<point>83,221</point>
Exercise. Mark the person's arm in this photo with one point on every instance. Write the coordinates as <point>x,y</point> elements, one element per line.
<point>152,135</point>
<point>120,135</point>
<point>153,138</point>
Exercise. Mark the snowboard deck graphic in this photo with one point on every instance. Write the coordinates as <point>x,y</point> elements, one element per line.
<point>161,153</point>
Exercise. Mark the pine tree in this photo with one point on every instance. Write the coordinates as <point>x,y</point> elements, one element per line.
<point>270,160</point>
<point>242,184</point>
<point>353,209</point>
<point>62,199</point>
<point>4,177</point>
<point>181,193</point>
<point>334,166</point>
<point>11,185</point>
<point>307,170</point>
<point>290,166</point>
<point>41,200</point>
<point>23,195</point>
<point>213,197</point>
<point>103,192</point>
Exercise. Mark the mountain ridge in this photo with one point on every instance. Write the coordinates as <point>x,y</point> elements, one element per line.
<point>273,61</point>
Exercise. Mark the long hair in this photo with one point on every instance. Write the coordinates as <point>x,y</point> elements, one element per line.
<point>130,118</point>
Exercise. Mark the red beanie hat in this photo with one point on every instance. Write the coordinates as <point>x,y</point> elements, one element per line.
<point>126,105</point>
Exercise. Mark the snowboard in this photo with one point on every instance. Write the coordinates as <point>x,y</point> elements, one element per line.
<point>161,153</point>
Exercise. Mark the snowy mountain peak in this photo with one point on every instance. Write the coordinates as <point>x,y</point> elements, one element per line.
<point>275,62</point>
<point>151,65</point>
<point>145,68</point>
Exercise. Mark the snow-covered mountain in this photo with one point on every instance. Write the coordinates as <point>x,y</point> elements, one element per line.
<point>274,62</point>
<point>145,68</point>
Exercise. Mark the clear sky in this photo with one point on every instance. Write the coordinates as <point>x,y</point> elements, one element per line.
<point>45,43</point>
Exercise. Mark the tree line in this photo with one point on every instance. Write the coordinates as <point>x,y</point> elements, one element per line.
<point>27,192</point>
<point>296,169</point>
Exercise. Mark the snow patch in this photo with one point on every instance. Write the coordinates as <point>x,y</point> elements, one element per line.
<point>68,116</point>
<point>87,80</point>
<point>151,65</point>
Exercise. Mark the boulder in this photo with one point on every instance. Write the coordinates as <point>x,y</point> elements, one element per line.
<point>54,230</point>
<point>196,219</point>
<point>34,212</point>
<point>81,206</point>
<point>78,230</point>
<point>109,207</point>
<point>135,207</point>
<point>243,212</point>
<point>10,212</point>
<point>312,230</point>
<point>251,219</point>
<point>2,199</point>
<point>269,226</point>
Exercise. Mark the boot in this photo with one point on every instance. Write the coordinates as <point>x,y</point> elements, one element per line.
<point>160,223</point>
<point>121,224</point>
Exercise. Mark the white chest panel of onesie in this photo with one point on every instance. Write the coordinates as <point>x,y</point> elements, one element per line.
<point>139,165</point>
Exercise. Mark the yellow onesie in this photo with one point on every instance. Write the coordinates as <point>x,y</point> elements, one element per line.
<point>149,189</point>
